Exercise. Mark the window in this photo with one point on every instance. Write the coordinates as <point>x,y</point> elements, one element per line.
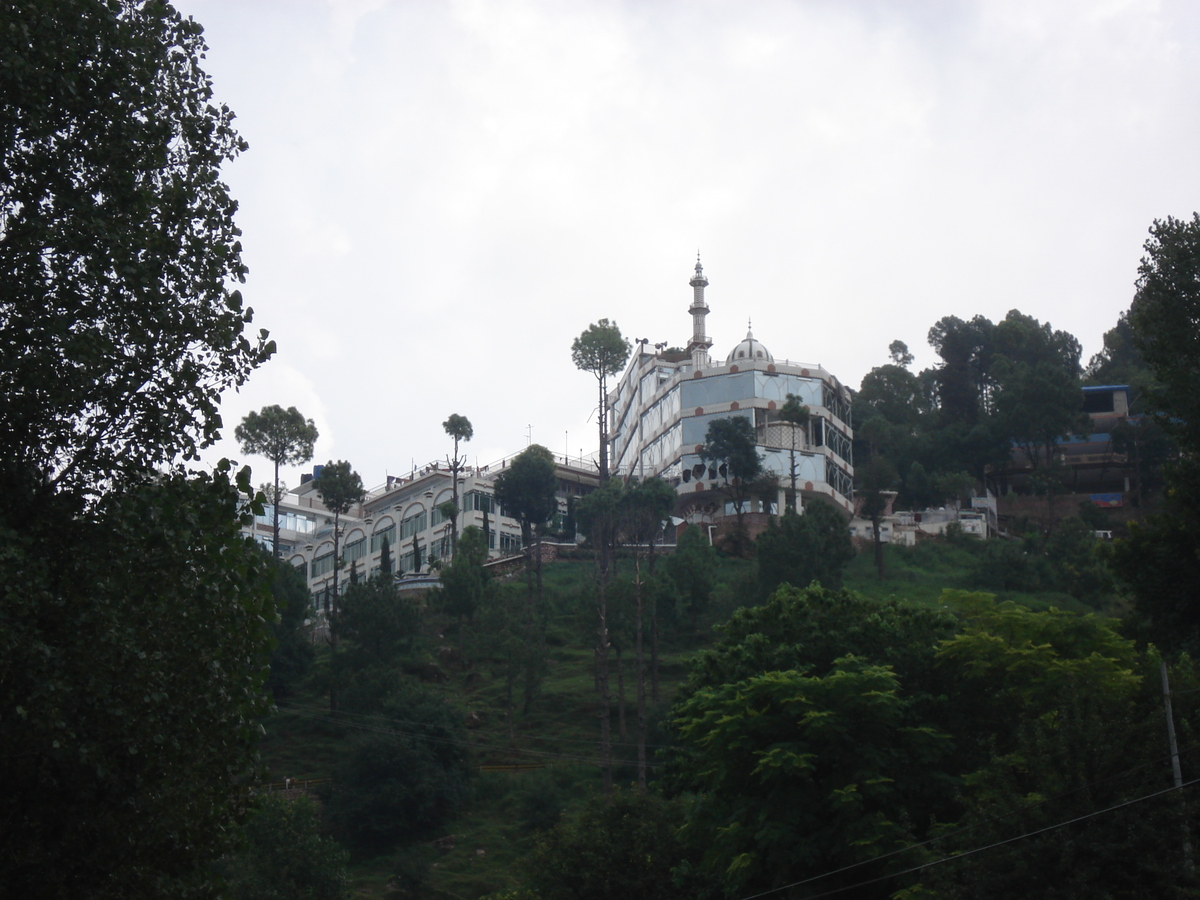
<point>413,524</point>
<point>509,543</point>
<point>355,550</point>
<point>478,501</point>
<point>322,565</point>
<point>383,536</point>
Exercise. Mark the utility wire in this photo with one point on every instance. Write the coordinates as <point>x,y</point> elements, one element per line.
<point>965,853</point>
<point>1030,807</point>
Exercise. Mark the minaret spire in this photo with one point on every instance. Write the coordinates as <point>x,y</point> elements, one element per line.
<point>700,342</point>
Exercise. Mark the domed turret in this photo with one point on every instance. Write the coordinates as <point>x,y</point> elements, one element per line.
<point>749,349</point>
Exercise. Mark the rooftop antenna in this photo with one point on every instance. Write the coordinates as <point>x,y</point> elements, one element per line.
<point>528,435</point>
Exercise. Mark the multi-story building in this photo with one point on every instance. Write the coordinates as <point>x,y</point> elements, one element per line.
<point>404,515</point>
<point>661,409</point>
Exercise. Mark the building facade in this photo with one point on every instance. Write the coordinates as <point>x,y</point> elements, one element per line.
<point>404,515</point>
<point>664,402</point>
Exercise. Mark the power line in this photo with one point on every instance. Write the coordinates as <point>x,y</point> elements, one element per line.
<point>964,854</point>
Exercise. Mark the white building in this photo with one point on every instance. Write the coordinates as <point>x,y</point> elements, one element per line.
<point>661,409</point>
<point>400,512</point>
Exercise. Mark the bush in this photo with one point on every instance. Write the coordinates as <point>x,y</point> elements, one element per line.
<point>623,845</point>
<point>286,857</point>
<point>402,777</point>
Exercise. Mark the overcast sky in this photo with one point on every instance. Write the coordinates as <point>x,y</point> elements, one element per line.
<point>440,196</point>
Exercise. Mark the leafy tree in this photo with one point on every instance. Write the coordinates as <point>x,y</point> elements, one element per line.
<point>693,570</point>
<point>378,621</point>
<point>797,415</point>
<point>286,857</point>
<point>729,447</point>
<point>898,351</point>
<point>133,614</point>
<point>603,351</point>
<point>510,643</point>
<point>377,632</point>
<point>644,507</point>
<point>876,478</point>
<point>283,436</point>
<point>1079,566</point>
<point>1031,689</point>
<point>1119,361</point>
<point>118,246</point>
<point>464,581</point>
<point>339,488</point>
<point>293,656</point>
<point>622,845</point>
<point>918,487</point>
<point>525,489</point>
<point>1164,313</point>
<point>810,628</point>
<point>132,642</point>
<point>599,516</point>
<point>401,780</point>
<point>801,549</point>
<point>459,428</point>
<point>1038,404</point>
<point>798,775</point>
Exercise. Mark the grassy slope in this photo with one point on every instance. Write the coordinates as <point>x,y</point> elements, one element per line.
<point>920,574</point>
<point>492,835</point>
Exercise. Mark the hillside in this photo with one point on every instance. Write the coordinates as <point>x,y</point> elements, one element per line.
<point>480,850</point>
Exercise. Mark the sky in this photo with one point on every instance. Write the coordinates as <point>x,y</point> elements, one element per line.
<point>440,196</point>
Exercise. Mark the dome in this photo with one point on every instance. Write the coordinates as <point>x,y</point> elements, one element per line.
<point>749,349</point>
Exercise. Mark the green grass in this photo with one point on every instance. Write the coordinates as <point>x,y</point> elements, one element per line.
<point>919,575</point>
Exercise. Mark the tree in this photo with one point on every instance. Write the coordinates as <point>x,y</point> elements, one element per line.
<point>644,507</point>
<point>797,775</point>
<point>599,515</point>
<point>621,845</point>
<point>403,778</point>
<point>797,415</point>
<point>464,581</point>
<point>133,614</point>
<point>132,648</point>
<point>876,480</point>
<point>525,489</point>
<point>526,492</point>
<point>386,565</point>
<point>117,245</point>
<point>293,656</point>
<point>1164,313</point>
<point>693,570</point>
<point>898,351</point>
<point>729,447</point>
<point>339,488</point>
<point>801,549</point>
<point>286,857</point>
<point>283,436</point>
<point>459,428</point>
<point>603,351</point>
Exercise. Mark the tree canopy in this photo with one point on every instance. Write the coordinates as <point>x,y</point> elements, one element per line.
<point>117,247</point>
<point>133,617</point>
<point>601,350</point>
<point>729,447</point>
<point>283,436</point>
<point>525,489</point>
<point>1165,310</point>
